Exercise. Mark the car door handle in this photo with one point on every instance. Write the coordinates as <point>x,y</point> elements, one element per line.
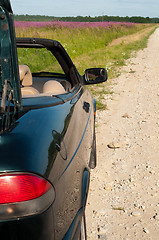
<point>86,106</point>
<point>59,144</point>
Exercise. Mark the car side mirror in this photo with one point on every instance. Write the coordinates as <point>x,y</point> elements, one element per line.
<point>95,75</point>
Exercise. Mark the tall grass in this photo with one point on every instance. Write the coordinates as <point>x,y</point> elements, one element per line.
<point>80,40</point>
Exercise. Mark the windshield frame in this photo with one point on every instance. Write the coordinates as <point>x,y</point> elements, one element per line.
<point>9,78</point>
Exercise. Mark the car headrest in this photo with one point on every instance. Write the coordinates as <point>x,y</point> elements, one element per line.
<point>25,75</point>
<point>53,87</point>
<point>29,91</point>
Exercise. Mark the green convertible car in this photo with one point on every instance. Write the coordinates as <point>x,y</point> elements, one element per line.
<point>47,138</point>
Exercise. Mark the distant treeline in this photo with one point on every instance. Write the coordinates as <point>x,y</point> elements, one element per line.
<point>38,18</point>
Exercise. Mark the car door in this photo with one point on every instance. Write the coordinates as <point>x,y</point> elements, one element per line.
<point>73,155</point>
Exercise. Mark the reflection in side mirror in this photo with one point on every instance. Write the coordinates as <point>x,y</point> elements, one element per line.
<point>95,75</point>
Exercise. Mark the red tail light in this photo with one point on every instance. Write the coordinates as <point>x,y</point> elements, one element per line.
<point>24,194</point>
<point>21,187</point>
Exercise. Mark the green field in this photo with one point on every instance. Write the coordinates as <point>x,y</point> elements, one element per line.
<point>94,46</point>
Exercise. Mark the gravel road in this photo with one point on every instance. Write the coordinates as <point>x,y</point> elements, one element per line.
<point>123,201</point>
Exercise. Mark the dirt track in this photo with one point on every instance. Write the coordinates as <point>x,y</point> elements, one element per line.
<point>123,201</point>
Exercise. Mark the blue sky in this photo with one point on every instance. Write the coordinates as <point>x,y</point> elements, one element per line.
<point>145,8</point>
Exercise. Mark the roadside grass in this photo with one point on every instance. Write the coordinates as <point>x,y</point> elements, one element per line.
<point>100,105</point>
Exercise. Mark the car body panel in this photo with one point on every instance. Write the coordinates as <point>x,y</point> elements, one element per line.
<point>25,141</point>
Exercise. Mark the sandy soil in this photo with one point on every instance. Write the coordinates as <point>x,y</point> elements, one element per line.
<point>123,201</point>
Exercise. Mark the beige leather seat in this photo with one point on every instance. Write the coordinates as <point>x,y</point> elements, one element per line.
<point>26,81</point>
<point>53,87</point>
